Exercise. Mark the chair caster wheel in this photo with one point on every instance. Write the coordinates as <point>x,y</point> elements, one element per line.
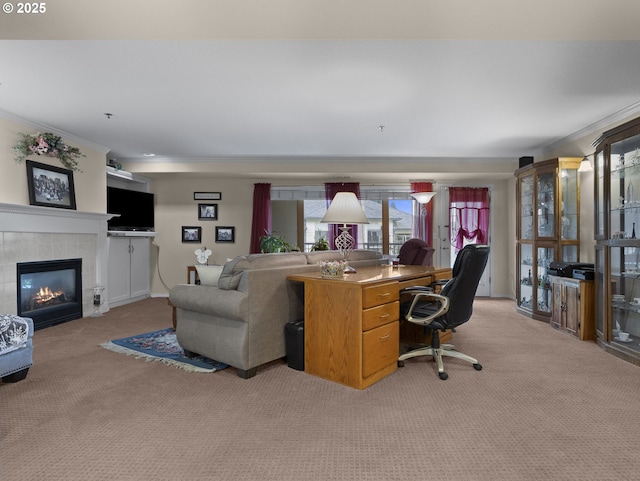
<point>400,363</point>
<point>477,367</point>
<point>443,375</point>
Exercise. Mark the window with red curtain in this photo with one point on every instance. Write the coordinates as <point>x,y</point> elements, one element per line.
<point>261,221</point>
<point>469,215</point>
<point>330,190</point>
<point>423,214</point>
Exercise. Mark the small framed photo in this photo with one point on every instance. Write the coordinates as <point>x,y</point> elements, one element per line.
<point>191,234</point>
<point>50,186</point>
<point>225,234</point>
<point>207,196</point>
<point>207,211</point>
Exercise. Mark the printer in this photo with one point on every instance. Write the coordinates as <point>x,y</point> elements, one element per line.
<point>576,270</point>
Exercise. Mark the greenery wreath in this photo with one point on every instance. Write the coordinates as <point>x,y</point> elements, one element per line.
<point>47,144</point>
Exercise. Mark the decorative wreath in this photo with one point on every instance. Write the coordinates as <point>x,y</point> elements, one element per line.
<point>47,144</point>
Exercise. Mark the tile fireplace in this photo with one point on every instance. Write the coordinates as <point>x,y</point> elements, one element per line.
<point>50,292</point>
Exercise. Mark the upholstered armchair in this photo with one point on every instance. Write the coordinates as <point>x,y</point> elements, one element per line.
<point>16,347</point>
<point>416,252</point>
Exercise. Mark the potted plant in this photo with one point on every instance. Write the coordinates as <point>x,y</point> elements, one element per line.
<point>273,242</point>
<point>320,245</point>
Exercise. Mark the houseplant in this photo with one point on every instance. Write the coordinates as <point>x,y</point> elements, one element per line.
<point>273,242</point>
<point>320,245</point>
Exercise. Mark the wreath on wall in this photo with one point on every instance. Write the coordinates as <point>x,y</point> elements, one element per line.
<point>47,144</point>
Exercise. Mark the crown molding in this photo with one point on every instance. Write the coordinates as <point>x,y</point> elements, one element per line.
<point>597,128</point>
<point>47,128</point>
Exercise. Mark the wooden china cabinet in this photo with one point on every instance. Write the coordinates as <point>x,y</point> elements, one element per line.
<point>548,229</point>
<point>617,234</point>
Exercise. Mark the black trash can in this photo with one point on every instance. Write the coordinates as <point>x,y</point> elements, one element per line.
<point>294,340</point>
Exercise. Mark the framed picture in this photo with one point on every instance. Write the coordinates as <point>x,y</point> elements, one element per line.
<point>207,211</point>
<point>50,186</point>
<point>191,233</point>
<point>207,196</point>
<point>225,234</point>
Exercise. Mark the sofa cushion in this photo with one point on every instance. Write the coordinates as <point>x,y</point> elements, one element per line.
<point>356,255</point>
<point>229,279</point>
<point>209,275</point>
<point>270,260</point>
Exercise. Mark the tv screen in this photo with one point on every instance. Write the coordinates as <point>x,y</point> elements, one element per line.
<point>136,209</point>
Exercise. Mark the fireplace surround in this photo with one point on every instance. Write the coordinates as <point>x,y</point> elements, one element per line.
<point>33,233</point>
<point>49,292</point>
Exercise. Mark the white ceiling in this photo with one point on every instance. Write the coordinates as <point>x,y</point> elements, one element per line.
<point>255,91</point>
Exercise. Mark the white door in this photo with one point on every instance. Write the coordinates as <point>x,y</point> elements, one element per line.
<point>446,254</point>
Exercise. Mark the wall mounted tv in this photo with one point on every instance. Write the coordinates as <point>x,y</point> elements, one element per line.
<point>136,209</point>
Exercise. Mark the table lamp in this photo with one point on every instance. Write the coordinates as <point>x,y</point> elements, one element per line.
<point>345,209</point>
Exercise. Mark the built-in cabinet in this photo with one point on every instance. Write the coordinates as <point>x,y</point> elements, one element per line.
<point>572,306</point>
<point>617,233</point>
<point>129,269</point>
<point>548,227</point>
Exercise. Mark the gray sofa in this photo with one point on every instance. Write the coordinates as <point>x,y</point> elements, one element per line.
<point>241,321</point>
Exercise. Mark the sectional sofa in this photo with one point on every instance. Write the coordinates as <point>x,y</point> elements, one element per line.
<point>239,318</point>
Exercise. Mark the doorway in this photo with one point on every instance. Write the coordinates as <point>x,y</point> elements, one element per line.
<point>446,251</point>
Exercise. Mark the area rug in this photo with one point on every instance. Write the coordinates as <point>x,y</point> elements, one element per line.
<point>162,346</point>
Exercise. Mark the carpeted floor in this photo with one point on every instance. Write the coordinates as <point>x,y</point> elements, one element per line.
<point>545,407</point>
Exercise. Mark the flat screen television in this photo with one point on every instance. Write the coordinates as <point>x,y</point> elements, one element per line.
<point>136,209</point>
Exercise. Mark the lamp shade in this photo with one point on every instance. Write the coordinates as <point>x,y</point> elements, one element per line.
<point>423,197</point>
<point>585,165</point>
<point>345,208</point>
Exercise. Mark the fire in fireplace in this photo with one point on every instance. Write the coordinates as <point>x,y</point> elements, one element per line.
<point>50,292</point>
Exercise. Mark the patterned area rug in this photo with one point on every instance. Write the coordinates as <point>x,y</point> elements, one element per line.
<point>162,346</point>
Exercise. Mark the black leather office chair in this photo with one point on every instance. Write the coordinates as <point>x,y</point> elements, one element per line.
<point>451,307</point>
<point>415,252</point>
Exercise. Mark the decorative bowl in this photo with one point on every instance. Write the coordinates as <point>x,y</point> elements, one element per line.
<point>332,269</point>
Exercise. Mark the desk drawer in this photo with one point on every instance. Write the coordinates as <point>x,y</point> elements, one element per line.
<point>380,348</point>
<point>381,294</point>
<point>380,315</point>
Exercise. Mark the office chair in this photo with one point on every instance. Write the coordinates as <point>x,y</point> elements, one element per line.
<point>448,309</point>
<point>415,252</point>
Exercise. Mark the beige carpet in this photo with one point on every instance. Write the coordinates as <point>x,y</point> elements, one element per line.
<point>545,407</point>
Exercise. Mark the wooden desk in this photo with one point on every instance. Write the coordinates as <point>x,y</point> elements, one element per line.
<point>352,324</point>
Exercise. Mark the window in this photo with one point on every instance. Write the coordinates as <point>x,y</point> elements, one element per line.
<point>389,212</point>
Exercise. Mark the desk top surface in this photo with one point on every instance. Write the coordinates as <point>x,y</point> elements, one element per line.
<point>366,275</point>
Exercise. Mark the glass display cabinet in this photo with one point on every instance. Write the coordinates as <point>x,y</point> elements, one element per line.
<point>617,233</point>
<point>547,229</point>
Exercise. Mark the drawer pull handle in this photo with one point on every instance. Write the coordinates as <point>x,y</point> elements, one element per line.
<point>384,338</point>
<point>384,316</point>
<point>386,294</point>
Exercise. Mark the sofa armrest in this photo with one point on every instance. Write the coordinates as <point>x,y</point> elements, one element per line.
<point>211,301</point>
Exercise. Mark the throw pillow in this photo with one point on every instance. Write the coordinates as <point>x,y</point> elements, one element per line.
<point>229,278</point>
<point>209,275</point>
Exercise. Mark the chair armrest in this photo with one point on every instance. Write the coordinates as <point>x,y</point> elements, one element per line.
<point>416,289</point>
<point>442,300</point>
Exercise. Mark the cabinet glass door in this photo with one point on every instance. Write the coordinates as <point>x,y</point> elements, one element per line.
<point>546,204</point>
<point>601,302</point>
<point>625,187</point>
<point>600,221</point>
<point>570,253</point>
<point>527,274</point>
<point>526,205</point>
<point>569,204</point>
<point>625,298</point>
<point>544,257</point>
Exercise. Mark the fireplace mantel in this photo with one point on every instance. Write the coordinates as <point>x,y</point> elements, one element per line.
<point>31,218</point>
